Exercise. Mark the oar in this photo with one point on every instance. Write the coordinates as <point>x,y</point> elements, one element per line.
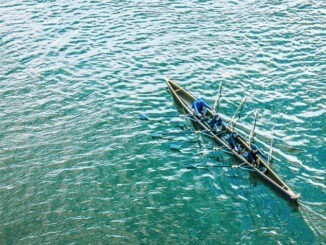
<point>196,166</point>
<point>232,123</point>
<point>146,117</point>
<point>289,149</point>
<point>158,135</point>
<point>271,148</point>
<point>161,135</point>
<point>177,147</point>
<point>251,136</point>
<point>216,103</point>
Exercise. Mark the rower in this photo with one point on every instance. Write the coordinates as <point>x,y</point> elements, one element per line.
<point>233,142</point>
<point>199,107</point>
<point>252,156</point>
<point>216,123</point>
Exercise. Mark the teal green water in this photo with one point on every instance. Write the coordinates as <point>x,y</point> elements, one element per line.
<point>76,164</point>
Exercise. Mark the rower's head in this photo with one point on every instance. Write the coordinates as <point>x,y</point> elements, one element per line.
<point>235,134</point>
<point>254,148</point>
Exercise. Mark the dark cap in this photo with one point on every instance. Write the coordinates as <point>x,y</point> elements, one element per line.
<point>253,147</point>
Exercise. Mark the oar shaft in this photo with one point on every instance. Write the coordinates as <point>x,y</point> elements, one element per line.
<point>146,117</point>
<point>172,133</point>
<point>253,128</point>
<point>237,112</point>
<point>216,104</point>
<point>194,166</point>
<point>160,115</point>
<point>271,148</point>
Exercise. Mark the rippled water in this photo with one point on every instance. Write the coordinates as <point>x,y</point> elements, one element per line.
<point>76,164</point>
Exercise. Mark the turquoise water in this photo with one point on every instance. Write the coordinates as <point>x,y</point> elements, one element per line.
<point>76,164</point>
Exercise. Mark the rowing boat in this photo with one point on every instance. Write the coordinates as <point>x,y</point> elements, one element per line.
<point>183,101</point>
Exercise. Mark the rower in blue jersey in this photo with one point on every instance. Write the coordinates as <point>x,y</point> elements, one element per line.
<point>252,156</point>
<point>199,107</point>
<point>233,142</point>
<point>217,123</point>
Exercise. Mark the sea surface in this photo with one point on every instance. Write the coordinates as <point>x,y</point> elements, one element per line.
<point>78,166</point>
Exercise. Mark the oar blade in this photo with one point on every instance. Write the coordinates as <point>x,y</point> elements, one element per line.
<point>175,147</point>
<point>156,135</point>
<point>143,117</point>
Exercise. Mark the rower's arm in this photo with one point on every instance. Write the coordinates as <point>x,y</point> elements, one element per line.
<point>195,106</point>
<point>208,106</point>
